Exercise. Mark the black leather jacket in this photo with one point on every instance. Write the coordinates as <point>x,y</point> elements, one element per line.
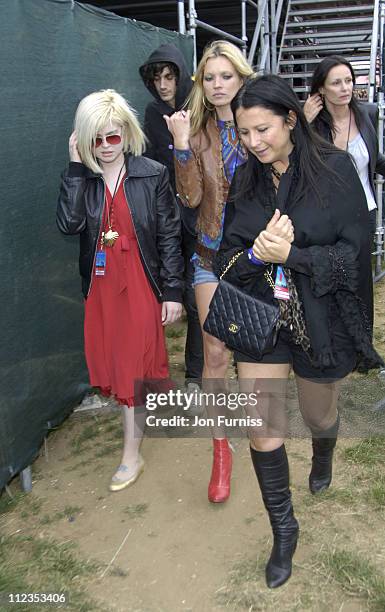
<point>154,213</point>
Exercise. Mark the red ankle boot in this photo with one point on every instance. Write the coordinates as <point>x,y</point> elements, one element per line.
<point>219,486</point>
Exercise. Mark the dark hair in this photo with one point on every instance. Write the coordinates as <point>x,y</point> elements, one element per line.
<point>273,93</point>
<point>153,70</point>
<point>319,77</point>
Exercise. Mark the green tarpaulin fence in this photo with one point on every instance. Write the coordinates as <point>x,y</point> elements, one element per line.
<point>53,53</point>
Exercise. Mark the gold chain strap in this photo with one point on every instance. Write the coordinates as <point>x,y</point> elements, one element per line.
<point>231,262</point>
<point>268,276</point>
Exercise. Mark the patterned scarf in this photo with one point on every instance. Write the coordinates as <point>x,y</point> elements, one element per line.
<point>233,154</point>
<point>291,311</point>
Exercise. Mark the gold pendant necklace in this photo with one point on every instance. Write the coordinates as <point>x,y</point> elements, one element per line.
<point>110,237</point>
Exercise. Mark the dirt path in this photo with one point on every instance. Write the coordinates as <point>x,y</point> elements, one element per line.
<point>180,553</point>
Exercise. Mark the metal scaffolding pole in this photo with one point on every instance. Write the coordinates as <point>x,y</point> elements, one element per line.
<point>194,23</point>
<point>273,37</point>
<point>265,55</point>
<point>379,240</point>
<point>192,14</point>
<point>374,50</point>
<point>243,23</point>
<point>181,17</point>
<point>257,32</point>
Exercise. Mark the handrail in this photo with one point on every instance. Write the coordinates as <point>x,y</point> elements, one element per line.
<point>257,31</point>
<point>215,30</point>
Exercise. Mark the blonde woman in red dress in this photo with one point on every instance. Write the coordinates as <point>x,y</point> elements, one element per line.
<point>121,205</point>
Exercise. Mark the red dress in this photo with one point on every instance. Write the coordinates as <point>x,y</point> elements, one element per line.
<point>123,333</point>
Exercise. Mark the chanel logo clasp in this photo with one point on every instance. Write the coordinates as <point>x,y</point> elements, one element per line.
<point>233,328</point>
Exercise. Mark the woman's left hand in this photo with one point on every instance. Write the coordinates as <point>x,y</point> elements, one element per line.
<point>171,312</point>
<point>270,248</point>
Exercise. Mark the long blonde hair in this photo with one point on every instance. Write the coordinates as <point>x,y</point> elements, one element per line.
<point>97,110</point>
<point>195,102</point>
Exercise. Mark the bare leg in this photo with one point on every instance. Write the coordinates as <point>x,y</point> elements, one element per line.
<point>216,361</point>
<point>216,355</point>
<point>132,464</point>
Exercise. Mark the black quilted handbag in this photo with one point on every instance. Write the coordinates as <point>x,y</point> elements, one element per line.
<point>244,323</point>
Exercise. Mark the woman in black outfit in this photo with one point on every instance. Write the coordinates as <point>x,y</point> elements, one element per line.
<point>336,115</point>
<point>297,202</point>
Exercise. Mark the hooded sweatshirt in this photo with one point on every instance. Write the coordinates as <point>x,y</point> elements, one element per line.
<point>160,145</point>
<point>160,142</point>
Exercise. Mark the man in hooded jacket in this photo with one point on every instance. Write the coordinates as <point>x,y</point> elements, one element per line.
<point>166,77</point>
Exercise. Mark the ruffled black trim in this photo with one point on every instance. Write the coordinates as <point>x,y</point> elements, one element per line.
<point>323,359</point>
<point>333,269</point>
<point>353,314</point>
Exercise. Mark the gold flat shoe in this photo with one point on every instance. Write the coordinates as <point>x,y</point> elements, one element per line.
<point>117,484</point>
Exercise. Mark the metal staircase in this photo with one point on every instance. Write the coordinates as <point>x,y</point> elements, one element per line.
<point>315,29</point>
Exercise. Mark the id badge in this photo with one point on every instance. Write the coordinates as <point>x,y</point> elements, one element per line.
<point>100,263</point>
<point>281,290</point>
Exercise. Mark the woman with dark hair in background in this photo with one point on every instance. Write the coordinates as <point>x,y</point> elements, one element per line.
<point>298,209</point>
<point>336,115</point>
<point>122,206</point>
<point>207,151</point>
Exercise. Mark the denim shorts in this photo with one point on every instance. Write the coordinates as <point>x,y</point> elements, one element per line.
<point>201,275</point>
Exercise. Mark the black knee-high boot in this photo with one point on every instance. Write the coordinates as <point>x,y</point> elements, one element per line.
<point>272,470</point>
<point>320,476</point>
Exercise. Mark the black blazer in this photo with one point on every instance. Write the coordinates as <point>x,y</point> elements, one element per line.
<point>367,124</point>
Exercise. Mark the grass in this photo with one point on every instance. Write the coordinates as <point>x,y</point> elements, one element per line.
<point>107,450</point>
<point>68,513</point>
<point>177,347</point>
<point>243,588</point>
<point>376,494</point>
<point>378,335</point>
<point>366,453</point>
<point>32,506</point>
<point>77,466</point>
<point>29,564</point>
<point>136,510</point>
<point>89,432</point>
<point>81,443</point>
<point>177,331</point>
<point>341,496</point>
<point>8,504</point>
<point>356,575</point>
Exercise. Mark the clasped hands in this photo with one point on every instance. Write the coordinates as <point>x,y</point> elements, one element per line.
<point>273,244</point>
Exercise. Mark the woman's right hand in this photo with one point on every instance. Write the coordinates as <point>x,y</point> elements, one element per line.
<point>73,149</point>
<point>312,107</point>
<point>281,226</point>
<point>179,126</point>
